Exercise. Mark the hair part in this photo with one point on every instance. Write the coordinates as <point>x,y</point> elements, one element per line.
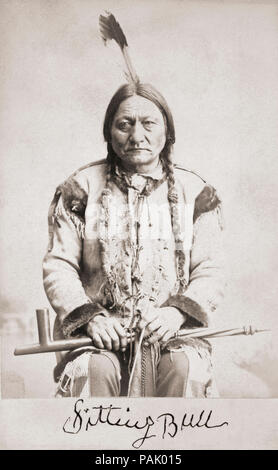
<point>144,90</point>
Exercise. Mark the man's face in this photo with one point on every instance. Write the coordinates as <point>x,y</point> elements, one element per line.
<point>138,134</point>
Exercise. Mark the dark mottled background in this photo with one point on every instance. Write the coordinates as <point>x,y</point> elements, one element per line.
<point>217,65</point>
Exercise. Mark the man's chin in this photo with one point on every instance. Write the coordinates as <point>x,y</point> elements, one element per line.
<point>139,154</point>
<point>143,158</point>
<point>136,162</point>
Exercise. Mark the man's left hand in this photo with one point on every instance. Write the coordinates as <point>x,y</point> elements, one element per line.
<point>161,323</point>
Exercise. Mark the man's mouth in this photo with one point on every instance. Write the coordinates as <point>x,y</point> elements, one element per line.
<point>138,150</point>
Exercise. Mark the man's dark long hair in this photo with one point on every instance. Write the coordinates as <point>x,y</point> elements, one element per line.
<point>148,92</point>
<point>145,91</point>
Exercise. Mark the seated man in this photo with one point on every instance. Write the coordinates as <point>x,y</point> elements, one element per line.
<point>134,256</point>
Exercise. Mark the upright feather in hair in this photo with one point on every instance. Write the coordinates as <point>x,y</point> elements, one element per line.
<point>110,29</point>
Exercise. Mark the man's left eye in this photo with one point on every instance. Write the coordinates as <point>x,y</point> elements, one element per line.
<point>148,123</point>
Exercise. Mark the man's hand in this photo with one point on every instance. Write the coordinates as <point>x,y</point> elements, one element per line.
<point>107,333</point>
<point>161,323</point>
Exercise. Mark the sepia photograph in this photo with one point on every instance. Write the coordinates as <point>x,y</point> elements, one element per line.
<point>138,304</point>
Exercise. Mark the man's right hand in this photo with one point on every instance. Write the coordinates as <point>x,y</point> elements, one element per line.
<point>107,333</point>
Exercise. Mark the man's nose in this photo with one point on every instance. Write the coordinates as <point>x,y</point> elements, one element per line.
<point>137,133</point>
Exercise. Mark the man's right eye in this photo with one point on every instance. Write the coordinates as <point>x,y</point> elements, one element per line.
<point>124,125</point>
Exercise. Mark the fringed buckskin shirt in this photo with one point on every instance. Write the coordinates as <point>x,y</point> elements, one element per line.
<point>141,247</point>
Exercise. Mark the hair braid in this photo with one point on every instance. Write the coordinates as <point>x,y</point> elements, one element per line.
<point>148,92</point>
<point>166,159</point>
<point>110,169</point>
<point>104,222</point>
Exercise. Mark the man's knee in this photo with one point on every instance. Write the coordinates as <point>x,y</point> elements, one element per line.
<point>180,363</point>
<point>104,366</point>
<point>176,362</point>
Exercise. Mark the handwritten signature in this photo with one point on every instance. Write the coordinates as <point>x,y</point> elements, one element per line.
<point>84,418</point>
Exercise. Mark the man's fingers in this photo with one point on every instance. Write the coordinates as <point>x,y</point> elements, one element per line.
<point>122,334</point>
<point>119,329</point>
<point>146,320</point>
<point>123,343</point>
<point>157,335</point>
<point>168,335</point>
<point>97,341</point>
<point>114,338</point>
<point>153,326</point>
<point>106,340</point>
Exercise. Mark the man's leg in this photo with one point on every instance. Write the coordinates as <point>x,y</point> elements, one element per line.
<point>185,371</point>
<point>104,375</point>
<point>172,374</point>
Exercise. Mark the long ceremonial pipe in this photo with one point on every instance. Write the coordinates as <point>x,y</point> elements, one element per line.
<point>46,344</point>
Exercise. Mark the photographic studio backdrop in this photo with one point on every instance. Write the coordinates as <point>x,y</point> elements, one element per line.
<point>217,65</point>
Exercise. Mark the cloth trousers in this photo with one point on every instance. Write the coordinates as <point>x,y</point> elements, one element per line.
<point>106,374</point>
<point>184,372</point>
